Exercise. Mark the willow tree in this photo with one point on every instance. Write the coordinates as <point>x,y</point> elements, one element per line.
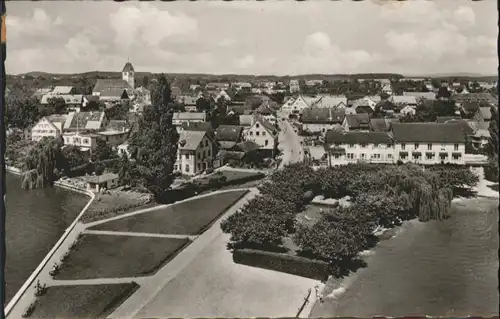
<point>44,164</point>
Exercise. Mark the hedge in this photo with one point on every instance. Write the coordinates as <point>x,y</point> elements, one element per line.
<point>293,265</point>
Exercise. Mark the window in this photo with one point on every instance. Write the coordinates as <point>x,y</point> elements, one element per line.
<point>403,156</point>
<point>251,133</point>
<point>204,154</point>
<point>187,156</point>
<point>351,145</point>
<point>199,166</point>
<point>376,156</point>
<point>375,145</point>
<point>257,133</point>
<point>457,156</point>
<point>206,142</point>
<point>363,155</point>
<point>350,156</point>
<point>416,145</point>
<point>264,133</point>
<point>186,168</point>
<point>337,156</point>
<point>266,142</point>
<point>175,167</point>
<point>455,147</point>
<point>86,141</point>
<point>363,145</point>
<point>208,152</point>
<point>403,146</point>
<point>257,125</point>
<point>389,156</point>
<point>429,147</point>
<point>199,155</point>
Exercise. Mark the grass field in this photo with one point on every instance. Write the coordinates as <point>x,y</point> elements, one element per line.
<point>187,218</point>
<point>109,256</point>
<point>85,301</point>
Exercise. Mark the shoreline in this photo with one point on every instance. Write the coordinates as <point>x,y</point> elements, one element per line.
<point>55,248</point>
<point>333,288</point>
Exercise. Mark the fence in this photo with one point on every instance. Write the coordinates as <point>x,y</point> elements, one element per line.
<point>306,301</point>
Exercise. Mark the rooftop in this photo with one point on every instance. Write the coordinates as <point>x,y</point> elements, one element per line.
<point>428,132</point>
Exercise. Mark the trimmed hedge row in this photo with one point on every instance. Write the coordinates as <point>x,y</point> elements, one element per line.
<point>293,265</point>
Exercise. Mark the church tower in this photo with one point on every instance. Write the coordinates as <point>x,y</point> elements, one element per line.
<point>128,74</point>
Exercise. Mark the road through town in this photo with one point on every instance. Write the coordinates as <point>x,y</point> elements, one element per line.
<point>289,144</point>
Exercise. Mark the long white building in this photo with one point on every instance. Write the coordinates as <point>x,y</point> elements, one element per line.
<point>421,143</point>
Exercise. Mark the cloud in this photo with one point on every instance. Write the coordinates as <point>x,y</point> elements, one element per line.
<point>465,15</point>
<point>217,37</point>
<point>245,62</point>
<point>149,24</point>
<point>39,23</point>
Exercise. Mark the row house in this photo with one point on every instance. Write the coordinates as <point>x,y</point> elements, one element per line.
<point>330,101</point>
<point>429,143</point>
<point>180,118</point>
<point>353,147</point>
<point>420,143</point>
<point>475,97</point>
<point>321,120</point>
<point>72,102</point>
<point>195,152</point>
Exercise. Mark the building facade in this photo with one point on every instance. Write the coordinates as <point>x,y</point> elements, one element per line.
<point>195,153</point>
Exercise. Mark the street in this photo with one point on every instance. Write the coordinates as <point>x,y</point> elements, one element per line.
<point>289,144</point>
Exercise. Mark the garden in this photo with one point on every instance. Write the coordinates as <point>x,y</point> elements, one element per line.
<point>110,256</point>
<point>270,231</point>
<point>190,217</point>
<point>82,301</point>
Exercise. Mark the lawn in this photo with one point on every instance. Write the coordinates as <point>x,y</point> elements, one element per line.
<point>191,217</point>
<point>116,203</point>
<point>236,175</point>
<point>109,256</point>
<point>85,301</point>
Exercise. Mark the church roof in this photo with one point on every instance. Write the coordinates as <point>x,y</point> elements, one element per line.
<point>128,67</point>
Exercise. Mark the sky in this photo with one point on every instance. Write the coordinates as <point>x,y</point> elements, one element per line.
<point>416,37</point>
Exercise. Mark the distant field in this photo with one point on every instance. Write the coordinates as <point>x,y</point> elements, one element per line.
<point>109,256</point>
<point>187,218</point>
<point>86,301</point>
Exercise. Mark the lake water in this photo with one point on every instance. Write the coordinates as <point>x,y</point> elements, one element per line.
<point>35,221</point>
<point>440,268</point>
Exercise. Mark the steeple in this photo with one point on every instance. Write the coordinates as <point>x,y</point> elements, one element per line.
<point>128,74</point>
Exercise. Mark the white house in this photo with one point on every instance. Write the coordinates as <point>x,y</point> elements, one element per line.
<point>352,147</point>
<point>222,94</point>
<point>99,182</point>
<point>295,105</point>
<point>429,143</point>
<point>84,141</point>
<point>294,86</point>
<point>387,89</point>
<point>48,126</point>
<point>263,134</point>
<point>195,152</point>
<point>408,110</point>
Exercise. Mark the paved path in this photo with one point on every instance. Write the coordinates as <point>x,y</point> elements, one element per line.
<point>153,285</point>
<point>289,143</point>
<point>120,233</point>
<point>203,281</point>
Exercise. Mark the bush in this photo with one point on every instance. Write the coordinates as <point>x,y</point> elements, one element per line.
<point>262,222</point>
<point>30,309</point>
<point>294,265</point>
